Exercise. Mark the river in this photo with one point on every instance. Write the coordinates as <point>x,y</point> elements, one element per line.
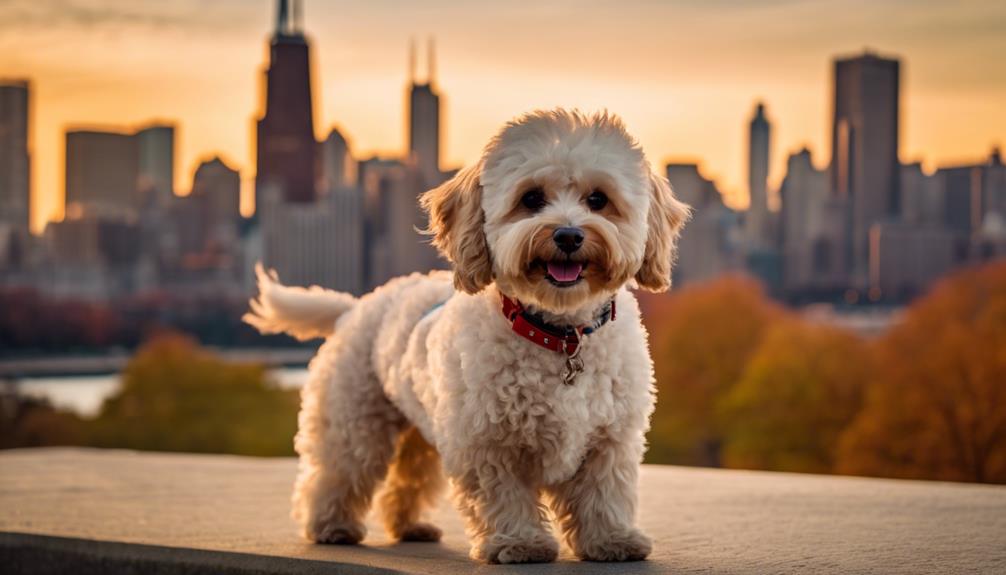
<point>84,394</point>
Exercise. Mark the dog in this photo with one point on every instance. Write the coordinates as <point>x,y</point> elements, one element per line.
<point>523,374</point>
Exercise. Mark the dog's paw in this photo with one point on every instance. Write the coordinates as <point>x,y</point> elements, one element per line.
<point>420,532</point>
<point>337,533</point>
<point>630,545</point>
<point>538,551</point>
<point>542,548</point>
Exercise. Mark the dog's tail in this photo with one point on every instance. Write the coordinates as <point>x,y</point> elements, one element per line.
<point>304,313</point>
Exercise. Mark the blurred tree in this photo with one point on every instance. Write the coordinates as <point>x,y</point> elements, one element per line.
<point>178,397</point>
<point>801,388</point>
<point>938,410</point>
<point>33,422</point>
<point>701,339</point>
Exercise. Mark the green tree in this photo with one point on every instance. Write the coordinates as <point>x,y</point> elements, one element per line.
<point>800,390</point>
<point>938,408</point>
<point>701,339</point>
<point>178,397</point>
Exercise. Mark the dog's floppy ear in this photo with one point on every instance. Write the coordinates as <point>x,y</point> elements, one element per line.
<point>456,224</point>
<point>666,217</point>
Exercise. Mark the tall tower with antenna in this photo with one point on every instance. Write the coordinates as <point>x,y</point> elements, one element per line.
<point>286,147</point>
<point>759,134</point>
<point>424,118</point>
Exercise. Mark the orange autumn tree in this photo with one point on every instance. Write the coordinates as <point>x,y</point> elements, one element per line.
<point>938,407</point>
<point>802,387</point>
<point>701,339</point>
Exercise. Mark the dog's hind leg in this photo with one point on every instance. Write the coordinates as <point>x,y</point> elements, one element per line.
<point>347,436</point>
<point>414,482</point>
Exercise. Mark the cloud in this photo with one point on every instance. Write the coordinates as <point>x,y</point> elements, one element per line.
<point>24,16</point>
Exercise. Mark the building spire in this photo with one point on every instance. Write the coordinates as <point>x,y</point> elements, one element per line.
<point>283,18</point>
<point>431,63</point>
<point>298,17</point>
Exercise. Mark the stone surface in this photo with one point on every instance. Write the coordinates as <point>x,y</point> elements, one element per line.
<point>93,511</point>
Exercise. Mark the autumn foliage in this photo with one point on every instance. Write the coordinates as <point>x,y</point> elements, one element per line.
<point>742,383</point>
<point>937,408</point>
<point>801,389</point>
<point>702,339</point>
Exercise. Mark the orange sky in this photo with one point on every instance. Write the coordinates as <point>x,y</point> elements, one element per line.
<point>684,75</point>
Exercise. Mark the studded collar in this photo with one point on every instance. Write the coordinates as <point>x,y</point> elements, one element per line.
<point>562,339</point>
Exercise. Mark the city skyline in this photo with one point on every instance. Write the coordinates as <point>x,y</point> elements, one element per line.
<point>692,108</point>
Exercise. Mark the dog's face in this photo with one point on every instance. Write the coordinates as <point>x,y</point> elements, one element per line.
<point>561,211</point>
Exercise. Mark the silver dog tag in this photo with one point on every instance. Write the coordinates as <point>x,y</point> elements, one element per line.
<point>574,365</point>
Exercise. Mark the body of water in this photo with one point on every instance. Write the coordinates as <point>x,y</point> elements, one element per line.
<point>84,394</point>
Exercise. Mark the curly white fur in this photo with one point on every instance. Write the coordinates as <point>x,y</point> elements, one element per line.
<point>406,388</point>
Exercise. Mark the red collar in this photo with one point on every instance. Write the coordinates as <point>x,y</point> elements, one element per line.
<point>559,339</point>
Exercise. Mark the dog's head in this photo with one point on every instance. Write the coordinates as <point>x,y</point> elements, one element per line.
<point>561,211</point>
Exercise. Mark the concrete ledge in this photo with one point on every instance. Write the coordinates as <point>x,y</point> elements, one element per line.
<point>92,511</point>
<point>23,553</point>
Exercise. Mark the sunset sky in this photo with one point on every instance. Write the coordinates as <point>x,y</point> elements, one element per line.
<point>684,75</point>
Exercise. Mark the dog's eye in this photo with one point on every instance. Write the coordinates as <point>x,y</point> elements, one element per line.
<point>533,199</point>
<point>597,200</point>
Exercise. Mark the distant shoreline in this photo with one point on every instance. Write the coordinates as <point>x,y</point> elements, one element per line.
<point>114,361</point>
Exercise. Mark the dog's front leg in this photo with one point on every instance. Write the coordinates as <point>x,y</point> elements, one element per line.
<point>505,520</point>
<point>596,508</point>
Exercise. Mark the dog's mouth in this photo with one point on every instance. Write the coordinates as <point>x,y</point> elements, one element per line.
<point>563,273</point>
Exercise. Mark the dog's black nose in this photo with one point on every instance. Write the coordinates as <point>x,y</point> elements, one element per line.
<point>568,239</point>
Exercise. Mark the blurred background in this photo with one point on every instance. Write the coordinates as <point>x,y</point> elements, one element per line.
<point>840,294</point>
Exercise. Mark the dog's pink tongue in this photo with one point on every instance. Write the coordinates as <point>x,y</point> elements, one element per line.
<point>564,271</point>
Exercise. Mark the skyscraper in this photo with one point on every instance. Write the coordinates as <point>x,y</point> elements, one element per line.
<point>864,145</point>
<point>962,198</point>
<point>316,244</point>
<point>922,199</point>
<point>286,148</point>
<point>337,166</point>
<point>207,219</point>
<point>905,258</point>
<point>972,202</point>
<point>156,151</point>
<point>424,120</point>
<point>102,173</point>
<point>812,226</point>
<point>706,248</point>
<point>758,161</point>
<point>220,185</point>
<point>15,190</point>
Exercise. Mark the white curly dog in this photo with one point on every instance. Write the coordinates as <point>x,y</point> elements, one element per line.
<point>526,378</point>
